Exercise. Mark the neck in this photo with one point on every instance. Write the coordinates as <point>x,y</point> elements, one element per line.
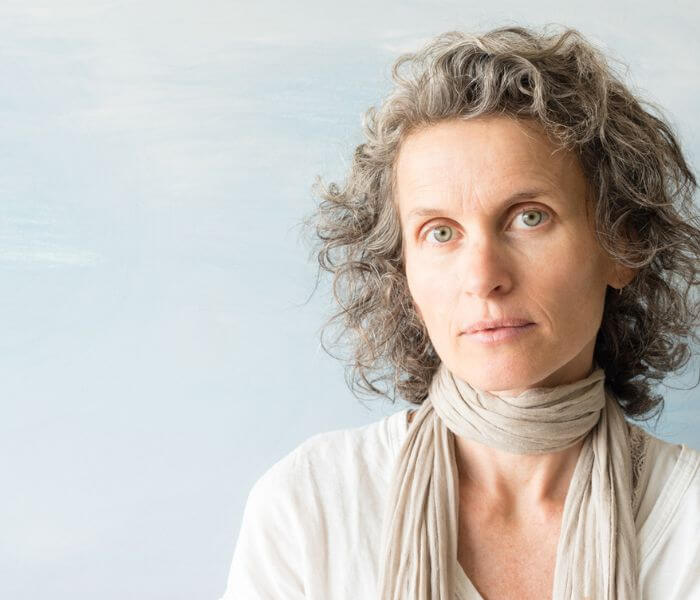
<point>511,486</point>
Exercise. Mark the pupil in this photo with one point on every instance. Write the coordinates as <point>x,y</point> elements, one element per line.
<point>442,233</point>
<point>529,219</point>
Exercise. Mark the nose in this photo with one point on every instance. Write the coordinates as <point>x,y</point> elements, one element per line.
<point>484,269</point>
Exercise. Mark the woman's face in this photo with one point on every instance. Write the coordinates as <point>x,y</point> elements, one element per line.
<point>495,227</point>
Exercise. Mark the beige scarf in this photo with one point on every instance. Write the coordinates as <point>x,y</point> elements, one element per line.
<point>597,550</point>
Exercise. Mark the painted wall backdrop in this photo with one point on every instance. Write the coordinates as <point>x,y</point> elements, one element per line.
<point>157,349</point>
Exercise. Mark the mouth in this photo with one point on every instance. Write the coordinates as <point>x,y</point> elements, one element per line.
<point>500,334</point>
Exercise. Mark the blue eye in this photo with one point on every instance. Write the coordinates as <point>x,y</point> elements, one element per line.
<point>441,228</point>
<point>443,233</point>
<point>530,221</point>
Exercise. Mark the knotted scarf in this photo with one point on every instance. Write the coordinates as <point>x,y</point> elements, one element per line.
<point>597,550</point>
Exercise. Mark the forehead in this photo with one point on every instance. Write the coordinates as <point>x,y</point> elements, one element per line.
<point>480,156</point>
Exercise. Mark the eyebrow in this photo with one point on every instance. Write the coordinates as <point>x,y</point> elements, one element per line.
<point>429,211</point>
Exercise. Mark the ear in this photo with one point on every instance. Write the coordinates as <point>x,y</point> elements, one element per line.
<point>621,276</point>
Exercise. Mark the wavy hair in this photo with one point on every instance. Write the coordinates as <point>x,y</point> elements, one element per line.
<point>642,189</point>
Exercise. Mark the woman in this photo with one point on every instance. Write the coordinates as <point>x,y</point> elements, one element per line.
<point>513,250</point>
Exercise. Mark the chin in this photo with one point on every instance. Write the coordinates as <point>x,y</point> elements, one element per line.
<point>496,382</point>
<point>494,375</point>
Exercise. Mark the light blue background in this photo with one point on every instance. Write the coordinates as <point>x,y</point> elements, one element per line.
<point>157,354</point>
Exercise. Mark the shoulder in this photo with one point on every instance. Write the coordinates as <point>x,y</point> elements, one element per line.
<point>674,475</point>
<point>669,520</point>
<point>303,514</point>
<point>328,464</point>
<point>666,464</point>
<point>660,467</point>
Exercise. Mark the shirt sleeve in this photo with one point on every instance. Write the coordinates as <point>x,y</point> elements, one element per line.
<point>268,559</point>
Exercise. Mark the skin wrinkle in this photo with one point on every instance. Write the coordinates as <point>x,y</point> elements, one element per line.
<point>490,269</point>
<point>640,190</point>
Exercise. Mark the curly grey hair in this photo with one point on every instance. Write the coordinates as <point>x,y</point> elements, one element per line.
<point>639,180</point>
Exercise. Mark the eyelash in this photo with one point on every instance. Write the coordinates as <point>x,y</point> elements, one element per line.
<point>525,210</point>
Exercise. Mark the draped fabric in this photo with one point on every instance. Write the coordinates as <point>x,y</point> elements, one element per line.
<point>597,550</point>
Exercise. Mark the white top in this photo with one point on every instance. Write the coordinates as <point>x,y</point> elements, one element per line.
<point>312,523</point>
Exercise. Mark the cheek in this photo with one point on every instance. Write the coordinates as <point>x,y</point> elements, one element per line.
<point>571,290</point>
<point>430,292</point>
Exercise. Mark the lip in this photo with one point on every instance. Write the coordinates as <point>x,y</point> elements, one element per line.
<point>500,334</point>
<point>496,323</point>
